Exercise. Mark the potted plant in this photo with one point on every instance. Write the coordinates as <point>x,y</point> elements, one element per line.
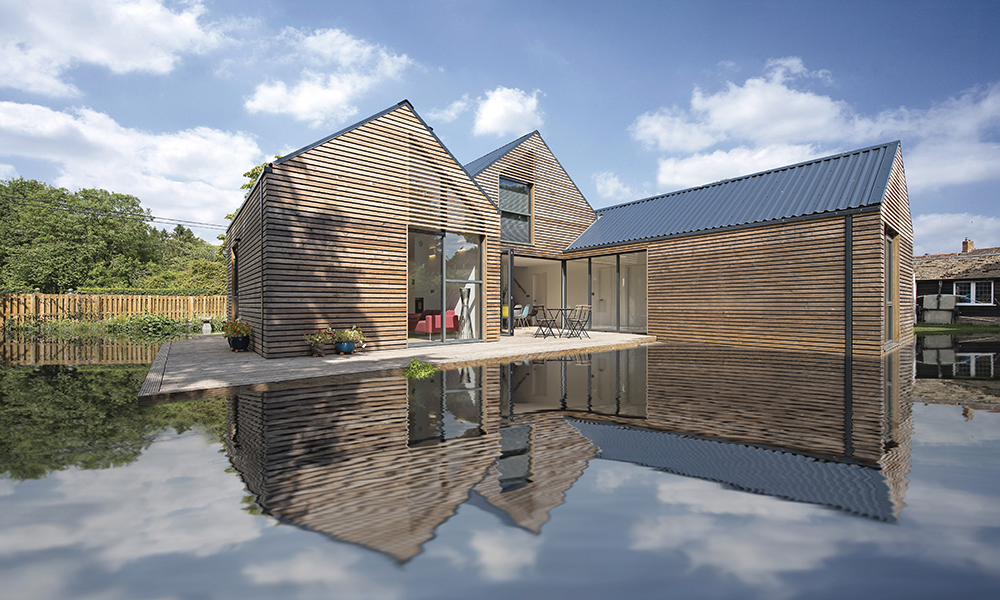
<point>238,334</point>
<point>347,340</point>
<point>317,341</point>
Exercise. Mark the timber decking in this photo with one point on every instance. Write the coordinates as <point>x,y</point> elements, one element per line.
<point>204,366</point>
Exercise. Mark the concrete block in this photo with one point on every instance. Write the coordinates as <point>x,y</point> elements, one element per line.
<point>929,302</point>
<point>938,317</point>
<point>947,302</point>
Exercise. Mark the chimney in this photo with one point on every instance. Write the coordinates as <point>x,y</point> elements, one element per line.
<point>967,246</point>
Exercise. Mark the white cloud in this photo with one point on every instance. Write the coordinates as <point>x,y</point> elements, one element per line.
<point>451,112</point>
<point>193,174</point>
<point>610,187</point>
<point>339,69</point>
<point>503,554</point>
<point>7,172</point>
<point>777,115</point>
<point>699,169</point>
<point>941,233</point>
<point>507,111</point>
<point>41,40</point>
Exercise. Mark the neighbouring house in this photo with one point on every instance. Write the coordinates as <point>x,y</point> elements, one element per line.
<point>379,226</point>
<point>972,275</point>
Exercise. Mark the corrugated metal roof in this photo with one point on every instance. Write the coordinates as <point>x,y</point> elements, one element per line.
<point>858,489</point>
<point>480,164</point>
<point>844,182</point>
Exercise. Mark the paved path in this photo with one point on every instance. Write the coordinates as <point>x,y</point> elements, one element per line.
<point>204,365</point>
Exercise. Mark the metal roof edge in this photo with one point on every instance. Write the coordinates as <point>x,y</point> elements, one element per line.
<point>568,176</point>
<point>506,150</point>
<point>458,164</point>
<point>824,215</point>
<point>309,147</point>
<point>246,196</point>
<point>757,174</point>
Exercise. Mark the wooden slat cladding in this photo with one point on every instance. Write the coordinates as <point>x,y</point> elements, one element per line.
<point>336,459</point>
<point>758,396</point>
<point>779,286</point>
<point>896,215</point>
<point>247,228</point>
<point>335,220</point>
<point>560,213</point>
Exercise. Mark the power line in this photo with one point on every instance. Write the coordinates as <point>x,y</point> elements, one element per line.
<point>97,212</point>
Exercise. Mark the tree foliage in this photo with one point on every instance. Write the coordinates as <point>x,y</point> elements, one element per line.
<point>55,240</point>
<point>57,417</point>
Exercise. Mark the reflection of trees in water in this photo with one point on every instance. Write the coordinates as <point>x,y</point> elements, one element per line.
<point>58,417</point>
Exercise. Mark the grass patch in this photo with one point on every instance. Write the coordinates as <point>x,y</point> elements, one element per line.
<point>418,369</point>
<point>957,329</point>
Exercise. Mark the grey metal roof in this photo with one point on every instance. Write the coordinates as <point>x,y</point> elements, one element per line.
<point>480,164</point>
<point>848,182</point>
<point>856,488</point>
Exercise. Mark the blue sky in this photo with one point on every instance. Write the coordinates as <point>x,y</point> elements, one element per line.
<point>173,101</point>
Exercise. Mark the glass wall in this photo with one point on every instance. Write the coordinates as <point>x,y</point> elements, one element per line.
<point>445,287</point>
<point>603,270</point>
<point>632,294</point>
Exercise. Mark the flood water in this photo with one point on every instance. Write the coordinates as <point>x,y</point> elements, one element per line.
<point>664,471</point>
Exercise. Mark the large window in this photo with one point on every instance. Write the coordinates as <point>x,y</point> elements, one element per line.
<point>974,292</point>
<point>445,286</point>
<point>515,211</point>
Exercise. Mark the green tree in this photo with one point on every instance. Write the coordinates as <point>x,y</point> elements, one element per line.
<point>54,240</point>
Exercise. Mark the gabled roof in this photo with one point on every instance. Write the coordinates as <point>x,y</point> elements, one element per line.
<point>850,182</point>
<point>982,263</point>
<point>483,162</point>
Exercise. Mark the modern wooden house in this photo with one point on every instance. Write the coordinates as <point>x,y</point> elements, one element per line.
<point>376,226</point>
<point>972,275</point>
<point>379,226</point>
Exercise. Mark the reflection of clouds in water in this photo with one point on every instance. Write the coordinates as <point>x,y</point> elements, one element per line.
<point>703,497</point>
<point>451,555</point>
<point>504,553</point>
<point>609,480</point>
<point>171,500</point>
<point>951,522</point>
<point>39,581</point>
<point>945,426</point>
<point>329,567</point>
<point>759,538</point>
<point>6,487</point>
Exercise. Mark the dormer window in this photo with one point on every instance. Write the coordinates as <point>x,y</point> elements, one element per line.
<point>515,211</point>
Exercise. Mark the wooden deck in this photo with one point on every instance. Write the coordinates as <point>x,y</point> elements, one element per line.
<point>204,366</point>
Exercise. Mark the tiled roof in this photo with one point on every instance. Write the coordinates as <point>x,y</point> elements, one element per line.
<point>983,263</point>
<point>848,182</point>
<point>480,164</point>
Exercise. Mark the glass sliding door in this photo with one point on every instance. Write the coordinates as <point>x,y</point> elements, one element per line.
<point>506,304</point>
<point>445,287</point>
<point>632,293</point>
<point>604,292</point>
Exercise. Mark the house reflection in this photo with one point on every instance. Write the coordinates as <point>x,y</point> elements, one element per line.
<point>383,461</point>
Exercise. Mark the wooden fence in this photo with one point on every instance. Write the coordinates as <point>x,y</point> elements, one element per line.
<point>95,307</point>
<point>33,352</point>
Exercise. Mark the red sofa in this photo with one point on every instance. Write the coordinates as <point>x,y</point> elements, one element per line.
<point>431,322</point>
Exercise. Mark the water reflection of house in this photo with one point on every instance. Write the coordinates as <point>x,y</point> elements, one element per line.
<point>383,462</point>
<point>959,370</point>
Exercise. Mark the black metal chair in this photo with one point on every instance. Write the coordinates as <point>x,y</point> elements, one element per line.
<point>576,323</point>
<point>546,321</point>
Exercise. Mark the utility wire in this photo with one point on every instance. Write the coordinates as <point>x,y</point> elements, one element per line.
<point>97,212</point>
